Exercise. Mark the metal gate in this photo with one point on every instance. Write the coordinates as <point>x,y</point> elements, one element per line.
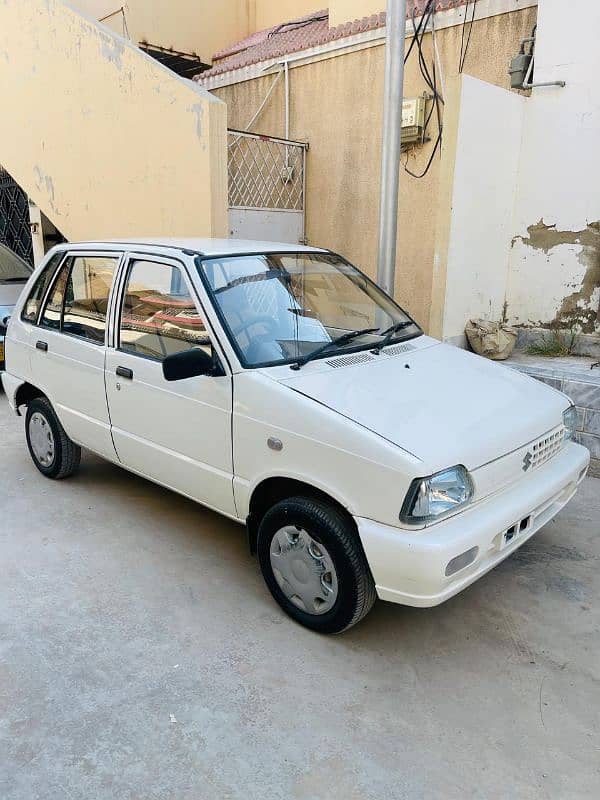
<point>15,230</point>
<point>267,187</point>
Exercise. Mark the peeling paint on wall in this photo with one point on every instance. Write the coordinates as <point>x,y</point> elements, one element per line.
<point>112,50</point>
<point>580,308</point>
<point>198,110</point>
<point>45,182</point>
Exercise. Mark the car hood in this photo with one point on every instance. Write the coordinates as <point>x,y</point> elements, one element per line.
<point>444,405</point>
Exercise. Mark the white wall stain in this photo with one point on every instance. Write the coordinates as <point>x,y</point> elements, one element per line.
<point>198,110</point>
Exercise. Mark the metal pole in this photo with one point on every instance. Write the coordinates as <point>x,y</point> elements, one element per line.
<point>390,148</point>
<point>286,72</point>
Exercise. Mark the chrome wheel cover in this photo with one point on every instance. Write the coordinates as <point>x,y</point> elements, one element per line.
<point>304,570</point>
<point>41,439</point>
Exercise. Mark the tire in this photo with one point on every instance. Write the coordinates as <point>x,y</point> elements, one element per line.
<point>326,539</point>
<point>62,457</point>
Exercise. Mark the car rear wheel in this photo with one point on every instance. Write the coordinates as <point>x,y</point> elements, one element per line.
<point>51,450</point>
<point>314,565</point>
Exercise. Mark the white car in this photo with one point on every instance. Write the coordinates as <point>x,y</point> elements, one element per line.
<point>281,387</point>
<point>14,274</point>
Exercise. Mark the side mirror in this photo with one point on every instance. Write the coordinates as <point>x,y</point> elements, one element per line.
<point>190,364</point>
<point>4,326</point>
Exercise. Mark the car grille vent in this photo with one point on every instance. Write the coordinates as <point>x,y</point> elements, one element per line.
<point>346,361</point>
<point>397,349</point>
<point>547,447</point>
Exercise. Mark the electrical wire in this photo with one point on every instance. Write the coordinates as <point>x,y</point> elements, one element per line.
<point>464,46</point>
<point>436,53</point>
<point>113,14</point>
<point>418,30</point>
<point>430,78</point>
<point>295,24</point>
<point>429,163</point>
<point>256,114</point>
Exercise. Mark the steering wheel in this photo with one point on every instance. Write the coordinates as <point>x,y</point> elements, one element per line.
<point>263,319</point>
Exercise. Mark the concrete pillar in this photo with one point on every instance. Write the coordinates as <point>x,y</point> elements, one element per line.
<point>37,233</point>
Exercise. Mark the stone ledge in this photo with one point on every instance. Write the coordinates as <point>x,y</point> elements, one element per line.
<point>573,376</point>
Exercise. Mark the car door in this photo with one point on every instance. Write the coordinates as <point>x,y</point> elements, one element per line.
<point>14,274</point>
<point>176,433</point>
<point>67,357</point>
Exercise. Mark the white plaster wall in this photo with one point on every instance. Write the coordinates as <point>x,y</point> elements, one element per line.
<point>266,225</point>
<point>559,172</point>
<point>485,174</point>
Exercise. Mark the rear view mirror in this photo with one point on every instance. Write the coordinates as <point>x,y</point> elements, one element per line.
<point>190,364</point>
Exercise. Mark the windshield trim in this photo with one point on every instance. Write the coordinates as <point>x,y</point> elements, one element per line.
<point>281,362</point>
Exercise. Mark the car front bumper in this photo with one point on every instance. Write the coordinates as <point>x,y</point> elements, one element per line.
<point>409,566</point>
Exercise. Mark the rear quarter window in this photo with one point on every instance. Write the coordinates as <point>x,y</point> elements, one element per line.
<point>31,309</point>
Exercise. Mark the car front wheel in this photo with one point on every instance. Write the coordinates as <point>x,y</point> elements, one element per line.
<point>53,453</point>
<point>314,565</point>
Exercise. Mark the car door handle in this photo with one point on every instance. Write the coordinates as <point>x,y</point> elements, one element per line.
<point>43,346</point>
<point>125,372</point>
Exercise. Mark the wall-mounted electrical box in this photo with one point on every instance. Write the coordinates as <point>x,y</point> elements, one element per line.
<point>413,120</point>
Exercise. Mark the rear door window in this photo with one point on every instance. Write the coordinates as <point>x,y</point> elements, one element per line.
<point>86,297</point>
<point>78,300</point>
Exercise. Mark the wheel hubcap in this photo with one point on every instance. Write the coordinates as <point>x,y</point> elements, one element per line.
<point>41,439</point>
<point>304,570</point>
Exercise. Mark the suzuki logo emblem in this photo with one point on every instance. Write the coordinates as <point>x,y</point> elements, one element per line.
<point>527,461</point>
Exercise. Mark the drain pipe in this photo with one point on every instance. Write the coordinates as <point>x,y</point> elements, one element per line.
<point>390,147</point>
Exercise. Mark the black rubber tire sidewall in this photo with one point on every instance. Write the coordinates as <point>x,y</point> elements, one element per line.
<point>42,406</point>
<point>329,527</point>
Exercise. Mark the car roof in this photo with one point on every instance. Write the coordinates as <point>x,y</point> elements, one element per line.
<point>206,247</point>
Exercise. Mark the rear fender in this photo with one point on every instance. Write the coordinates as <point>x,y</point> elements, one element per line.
<point>11,386</point>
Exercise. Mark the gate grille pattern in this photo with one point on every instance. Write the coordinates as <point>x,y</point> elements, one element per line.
<point>265,172</point>
<point>15,231</point>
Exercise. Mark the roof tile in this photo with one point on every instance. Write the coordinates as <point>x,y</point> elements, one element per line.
<point>302,33</point>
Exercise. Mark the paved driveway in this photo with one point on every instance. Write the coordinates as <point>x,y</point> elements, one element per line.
<point>141,657</point>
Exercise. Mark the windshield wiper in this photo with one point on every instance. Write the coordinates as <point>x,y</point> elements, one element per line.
<point>345,337</point>
<point>389,333</point>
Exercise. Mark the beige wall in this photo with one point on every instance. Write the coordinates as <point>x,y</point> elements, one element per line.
<point>267,13</point>
<point>200,26</point>
<point>336,106</point>
<point>106,141</point>
<point>192,26</point>
<point>348,10</point>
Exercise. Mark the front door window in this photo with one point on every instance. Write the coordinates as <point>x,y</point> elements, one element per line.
<point>159,316</point>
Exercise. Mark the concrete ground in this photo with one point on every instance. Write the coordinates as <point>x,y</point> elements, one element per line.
<point>141,657</point>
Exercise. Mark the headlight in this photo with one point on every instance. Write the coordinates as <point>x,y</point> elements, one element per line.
<point>570,422</point>
<point>437,496</point>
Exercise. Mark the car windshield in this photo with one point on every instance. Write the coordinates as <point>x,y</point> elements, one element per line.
<point>280,308</point>
<point>12,268</point>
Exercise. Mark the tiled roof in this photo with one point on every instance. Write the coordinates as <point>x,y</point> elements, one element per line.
<point>300,34</point>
